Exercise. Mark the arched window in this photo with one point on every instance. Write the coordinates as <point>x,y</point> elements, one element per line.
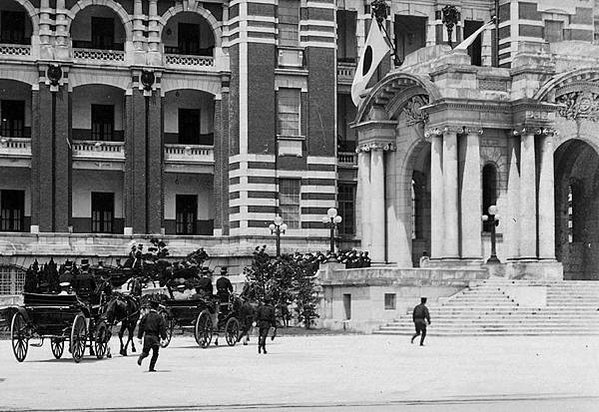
<point>489,192</point>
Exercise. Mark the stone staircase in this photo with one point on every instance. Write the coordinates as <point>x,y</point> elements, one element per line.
<point>512,307</point>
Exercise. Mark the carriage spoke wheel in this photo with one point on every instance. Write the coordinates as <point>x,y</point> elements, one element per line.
<point>19,336</point>
<point>101,340</point>
<point>78,338</point>
<point>170,325</point>
<point>203,329</point>
<point>57,346</point>
<point>232,331</point>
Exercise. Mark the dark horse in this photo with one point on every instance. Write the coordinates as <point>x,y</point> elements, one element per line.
<point>246,313</point>
<point>125,309</point>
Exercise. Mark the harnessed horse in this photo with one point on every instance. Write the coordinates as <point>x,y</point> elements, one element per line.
<point>124,309</point>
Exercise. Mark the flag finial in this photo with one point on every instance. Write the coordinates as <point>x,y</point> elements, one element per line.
<point>379,10</point>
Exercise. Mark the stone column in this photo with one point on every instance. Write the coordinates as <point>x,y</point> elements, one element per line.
<point>528,197</point>
<point>138,26</point>
<point>437,230</point>
<point>154,162</point>
<point>451,245</point>
<point>377,205</point>
<point>470,198</point>
<point>511,217</point>
<point>364,196</point>
<point>153,26</point>
<point>546,200</point>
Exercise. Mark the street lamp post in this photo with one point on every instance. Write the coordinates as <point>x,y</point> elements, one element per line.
<point>492,217</point>
<point>278,228</point>
<point>332,220</point>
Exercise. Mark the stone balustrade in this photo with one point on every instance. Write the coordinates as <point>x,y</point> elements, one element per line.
<point>18,50</point>
<point>188,153</point>
<point>347,159</point>
<point>90,149</point>
<point>188,61</point>
<point>15,147</point>
<point>345,72</point>
<point>95,55</point>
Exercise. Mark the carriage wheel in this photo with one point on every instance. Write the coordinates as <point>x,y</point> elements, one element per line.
<point>170,325</point>
<point>57,346</point>
<point>78,338</point>
<point>203,329</point>
<point>101,340</point>
<point>19,336</point>
<point>232,331</point>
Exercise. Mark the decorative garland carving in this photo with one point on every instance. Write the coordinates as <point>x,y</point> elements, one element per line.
<point>579,105</point>
<point>386,147</point>
<point>413,112</point>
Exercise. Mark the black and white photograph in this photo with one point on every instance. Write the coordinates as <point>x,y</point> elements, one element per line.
<point>299,205</point>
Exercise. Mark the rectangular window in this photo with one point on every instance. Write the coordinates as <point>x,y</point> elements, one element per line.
<point>289,202</point>
<point>12,27</point>
<point>389,301</point>
<point>13,118</point>
<point>346,112</point>
<point>189,126</point>
<point>188,38</point>
<point>410,34</point>
<point>347,208</point>
<point>186,214</point>
<point>554,31</point>
<point>288,112</point>
<point>288,14</point>
<point>102,122</point>
<point>12,210</point>
<point>347,305</point>
<point>475,49</point>
<point>102,212</point>
<point>102,33</point>
<point>346,36</point>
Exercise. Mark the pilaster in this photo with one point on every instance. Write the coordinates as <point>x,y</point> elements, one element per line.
<point>546,199</point>
<point>450,194</point>
<point>470,195</point>
<point>528,196</point>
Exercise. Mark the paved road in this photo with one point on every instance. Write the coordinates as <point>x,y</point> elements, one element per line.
<point>318,372</point>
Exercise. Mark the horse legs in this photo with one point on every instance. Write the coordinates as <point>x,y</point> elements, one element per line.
<point>131,331</point>
<point>123,347</point>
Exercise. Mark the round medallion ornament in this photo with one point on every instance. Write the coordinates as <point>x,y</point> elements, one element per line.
<point>147,79</point>
<point>54,74</point>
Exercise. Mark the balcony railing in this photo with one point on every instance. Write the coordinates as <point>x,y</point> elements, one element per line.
<point>345,72</point>
<point>15,147</point>
<point>189,60</point>
<point>180,153</point>
<point>347,158</point>
<point>90,149</point>
<point>15,49</point>
<point>99,55</point>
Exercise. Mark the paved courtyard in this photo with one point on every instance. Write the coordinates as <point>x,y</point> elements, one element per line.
<point>334,372</point>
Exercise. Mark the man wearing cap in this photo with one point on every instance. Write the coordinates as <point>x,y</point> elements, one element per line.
<point>265,318</point>
<point>420,316</point>
<point>154,328</point>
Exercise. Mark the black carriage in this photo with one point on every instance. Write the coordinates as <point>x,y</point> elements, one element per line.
<point>206,316</point>
<point>60,318</point>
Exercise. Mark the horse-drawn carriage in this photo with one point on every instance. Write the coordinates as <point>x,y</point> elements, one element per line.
<point>207,316</point>
<point>60,318</point>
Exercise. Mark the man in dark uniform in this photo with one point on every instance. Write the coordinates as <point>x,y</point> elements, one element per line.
<point>154,327</point>
<point>86,284</point>
<point>224,286</point>
<point>265,318</point>
<point>420,316</point>
<point>205,282</point>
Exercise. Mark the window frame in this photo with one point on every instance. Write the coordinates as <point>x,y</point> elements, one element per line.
<point>12,210</point>
<point>102,219</point>
<point>186,205</point>
<point>98,111</point>
<point>391,303</point>
<point>290,203</point>
<point>282,131</point>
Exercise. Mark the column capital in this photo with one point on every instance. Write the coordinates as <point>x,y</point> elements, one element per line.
<point>374,146</point>
<point>537,131</point>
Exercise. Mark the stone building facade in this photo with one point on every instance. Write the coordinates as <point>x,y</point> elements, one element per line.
<point>511,122</point>
<point>201,121</point>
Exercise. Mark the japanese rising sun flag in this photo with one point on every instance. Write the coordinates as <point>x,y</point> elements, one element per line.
<point>375,50</point>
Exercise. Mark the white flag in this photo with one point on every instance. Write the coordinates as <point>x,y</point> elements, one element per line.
<point>375,50</point>
<point>467,42</point>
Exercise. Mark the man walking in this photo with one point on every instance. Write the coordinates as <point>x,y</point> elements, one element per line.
<point>154,327</point>
<point>420,316</point>
<point>265,318</point>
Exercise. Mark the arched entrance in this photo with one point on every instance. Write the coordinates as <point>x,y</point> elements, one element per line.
<point>577,209</point>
